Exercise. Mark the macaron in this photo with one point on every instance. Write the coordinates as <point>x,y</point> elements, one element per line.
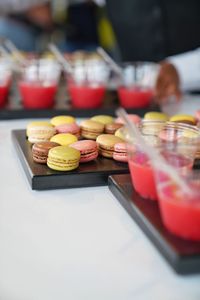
<point>183,118</point>
<point>120,152</point>
<point>106,143</point>
<point>40,151</point>
<point>121,133</point>
<point>58,120</point>
<point>91,129</point>
<point>111,128</point>
<point>39,131</point>
<point>63,158</point>
<point>104,119</point>
<point>132,117</point>
<point>155,115</point>
<point>64,139</point>
<point>87,148</point>
<point>72,128</point>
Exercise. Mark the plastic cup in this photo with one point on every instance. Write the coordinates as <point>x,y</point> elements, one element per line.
<point>179,153</point>
<point>136,89</point>
<point>87,83</point>
<point>5,81</point>
<point>180,211</point>
<point>38,84</point>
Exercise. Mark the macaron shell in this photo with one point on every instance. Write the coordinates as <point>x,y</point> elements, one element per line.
<point>72,128</point>
<point>183,118</point>
<point>132,117</point>
<point>106,144</point>
<point>40,133</point>
<point>58,120</point>
<point>64,139</point>
<point>87,148</point>
<point>155,115</point>
<point>112,128</point>
<point>104,119</point>
<point>40,151</point>
<point>121,133</point>
<point>120,152</point>
<point>36,124</point>
<point>63,158</point>
<point>91,129</point>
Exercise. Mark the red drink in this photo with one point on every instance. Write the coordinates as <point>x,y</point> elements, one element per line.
<point>4,89</point>
<point>37,95</point>
<point>134,97</point>
<point>142,174</point>
<point>180,212</point>
<point>83,96</point>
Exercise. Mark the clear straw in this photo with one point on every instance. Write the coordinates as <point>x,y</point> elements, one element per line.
<point>115,67</point>
<point>15,51</point>
<point>157,160</point>
<point>59,56</point>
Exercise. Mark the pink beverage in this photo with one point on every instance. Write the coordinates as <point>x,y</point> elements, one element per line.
<point>4,90</point>
<point>180,212</point>
<point>86,96</point>
<point>142,174</point>
<point>37,95</point>
<point>134,97</point>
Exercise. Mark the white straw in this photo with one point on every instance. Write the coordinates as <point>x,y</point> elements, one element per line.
<point>13,49</point>
<point>109,60</point>
<point>60,57</point>
<point>157,160</point>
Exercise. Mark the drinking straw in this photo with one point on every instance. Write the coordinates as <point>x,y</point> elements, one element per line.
<point>15,51</point>
<point>156,159</point>
<point>67,66</point>
<point>4,52</point>
<point>115,67</point>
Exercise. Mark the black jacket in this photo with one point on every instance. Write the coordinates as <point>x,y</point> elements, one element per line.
<point>154,29</point>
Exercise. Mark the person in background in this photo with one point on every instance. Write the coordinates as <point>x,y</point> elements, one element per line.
<point>25,22</point>
<point>166,31</point>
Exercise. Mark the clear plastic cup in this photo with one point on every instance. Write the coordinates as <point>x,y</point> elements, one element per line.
<point>87,83</point>
<point>179,152</point>
<point>38,83</point>
<point>5,80</point>
<point>141,170</point>
<point>138,79</point>
<point>180,210</point>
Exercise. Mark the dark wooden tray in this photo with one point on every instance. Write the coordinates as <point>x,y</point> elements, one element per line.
<point>182,255</point>
<point>40,177</point>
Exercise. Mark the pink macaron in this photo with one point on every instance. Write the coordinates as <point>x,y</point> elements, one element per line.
<point>87,148</point>
<point>120,152</point>
<point>72,128</point>
<point>132,117</point>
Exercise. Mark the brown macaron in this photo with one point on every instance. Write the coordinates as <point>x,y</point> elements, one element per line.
<point>91,129</point>
<point>111,128</point>
<point>106,143</point>
<point>40,151</point>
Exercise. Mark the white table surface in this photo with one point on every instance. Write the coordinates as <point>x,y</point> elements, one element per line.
<point>77,244</point>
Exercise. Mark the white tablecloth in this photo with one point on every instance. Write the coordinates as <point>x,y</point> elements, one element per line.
<point>76,244</point>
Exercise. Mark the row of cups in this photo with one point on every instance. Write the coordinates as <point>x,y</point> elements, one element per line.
<point>86,82</point>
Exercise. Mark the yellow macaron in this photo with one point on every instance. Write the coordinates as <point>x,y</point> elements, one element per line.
<point>155,115</point>
<point>64,139</point>
<point>183,118</point>
<point>104,119</point>
<point>58,120</point>
<point>39,131</point>
<point>121,133</point>
<point>63,158</point>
